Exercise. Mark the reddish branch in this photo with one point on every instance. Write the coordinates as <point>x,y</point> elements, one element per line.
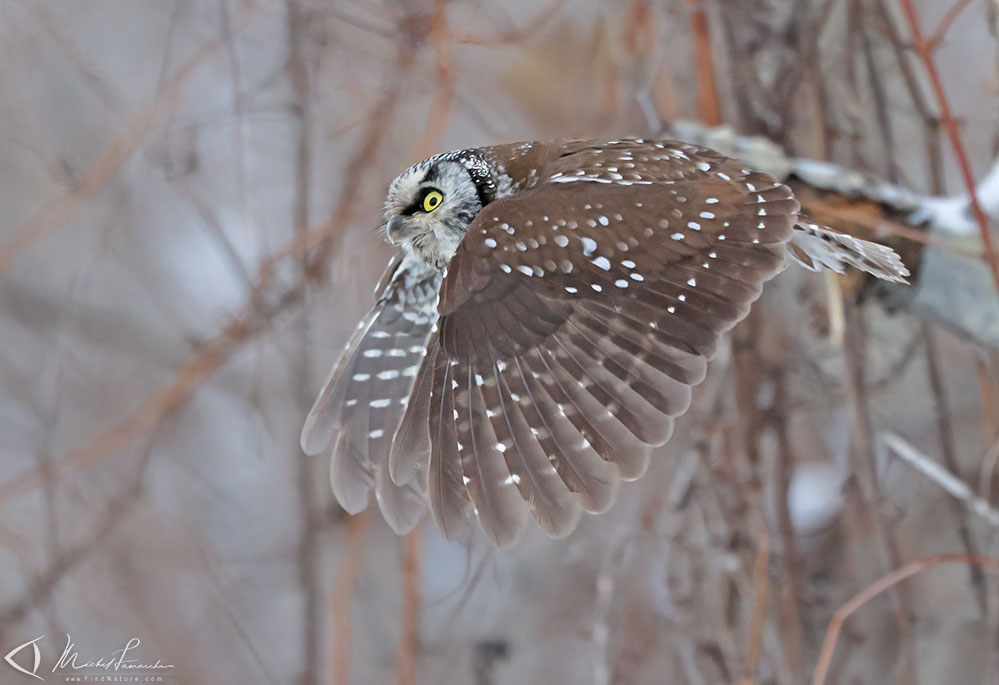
<point>875,589</point>
<point>140,422</point>
<point>924,48</point>
<point>514,35</point>
<point>440,105</point>
<point>264,303</point>
<point>863,439</point>
<point>761,588</point>
<point>55,213</point>
<point>409,641</point>
<point>341,599</point>
<point>708,106</point>
<point>944,26</point>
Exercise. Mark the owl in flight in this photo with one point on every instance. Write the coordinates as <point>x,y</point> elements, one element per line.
<point>551,308</point>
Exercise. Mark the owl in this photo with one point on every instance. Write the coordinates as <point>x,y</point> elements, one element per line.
<point>540,329</point>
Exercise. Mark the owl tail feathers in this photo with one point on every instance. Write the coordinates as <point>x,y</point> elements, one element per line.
<point>816,247</point>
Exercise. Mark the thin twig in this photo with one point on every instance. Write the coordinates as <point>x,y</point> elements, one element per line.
<point>143,420</point>
<point>924,49</point>
<point>340,604</point>
<point>440,105</point>
<point>853,351</point>
<point>782,484</point>
<point>988,390</point>
<point>268,299</point>
<point>931,125</point>
<point>761,588</point>
<point>57,211</point>
<point>708,105</point>
<point>72,555</point>
<point>409,641</point>
<point>603,600</point>
<point>874,78</point>
<point>515,35</point>
<point>945,431</point>
<point>310,541</point>
<point>953,485</point>
<point>944,26</point>
<point>873,590</point>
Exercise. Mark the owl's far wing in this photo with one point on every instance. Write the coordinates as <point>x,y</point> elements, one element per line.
<point>362,401</point>
<point>816,247</point>
<point>575,318</point>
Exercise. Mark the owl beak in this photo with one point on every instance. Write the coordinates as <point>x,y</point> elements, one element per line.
<point>395,230</point>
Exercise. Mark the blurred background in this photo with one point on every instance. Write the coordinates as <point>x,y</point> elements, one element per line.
<point>189,197</point>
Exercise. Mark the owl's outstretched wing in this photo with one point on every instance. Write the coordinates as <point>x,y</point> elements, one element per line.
<point>576,316</point>
<point>366,394</point>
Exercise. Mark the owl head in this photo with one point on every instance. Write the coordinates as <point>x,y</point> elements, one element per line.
<point>430,205</point>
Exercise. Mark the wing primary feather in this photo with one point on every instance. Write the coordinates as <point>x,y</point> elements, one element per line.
<point>598,425</point>
<point>488,478</point>
<point>401,505</point>
<point>349,479</point>
<point>409,455</point>
<point>643,420</point>
<point>577,463</point>
<point>552,504</point>
<point>666,355</point>
<point>449,500</point>
<point>351,471</point>
<point>664,394</point>
<point>325,416</point>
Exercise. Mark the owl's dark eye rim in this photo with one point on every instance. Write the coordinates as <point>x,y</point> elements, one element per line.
<point>418,205</point>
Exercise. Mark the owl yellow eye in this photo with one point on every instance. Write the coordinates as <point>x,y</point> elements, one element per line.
<point>432,201</point>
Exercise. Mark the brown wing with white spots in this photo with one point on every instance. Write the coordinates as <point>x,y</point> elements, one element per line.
<point>364,398</point>
<point>575,317</point>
